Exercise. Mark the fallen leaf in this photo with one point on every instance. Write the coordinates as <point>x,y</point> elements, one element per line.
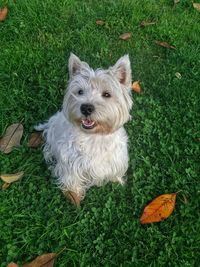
<point>11,137</point>
<point>196,6</point>
<point>5,186</point>
<point>165,44</point>
<point>3,13</point>
<point>159,209</point>
<point>176,2</point>
<point>125,36</point>
<point>198,139</point>
<point>136,87</point>
<point>145,23</point>
<point>73,198</point>
<point>10,178</point>
<point>100,22</point>
<point>12,264</point>
<point>178,75</point>
<point>35,140</point>
<point>45,260</point>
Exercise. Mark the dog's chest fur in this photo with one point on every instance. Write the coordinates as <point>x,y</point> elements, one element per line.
<point>105,154</point>
<point>96,157</point>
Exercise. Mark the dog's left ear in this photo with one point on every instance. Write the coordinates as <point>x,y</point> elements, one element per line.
<point>122,70</point>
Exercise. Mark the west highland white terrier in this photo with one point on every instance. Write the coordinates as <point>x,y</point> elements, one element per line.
<point>86,143</point>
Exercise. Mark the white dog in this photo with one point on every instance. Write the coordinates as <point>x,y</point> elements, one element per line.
<point>86,143</point>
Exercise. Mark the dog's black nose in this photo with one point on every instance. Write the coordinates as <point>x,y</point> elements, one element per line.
<point>87,109</point>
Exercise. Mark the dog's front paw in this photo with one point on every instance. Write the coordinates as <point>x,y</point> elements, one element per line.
<point>73,197</point>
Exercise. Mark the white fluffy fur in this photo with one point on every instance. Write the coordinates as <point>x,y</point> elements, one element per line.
<point>79,157</point>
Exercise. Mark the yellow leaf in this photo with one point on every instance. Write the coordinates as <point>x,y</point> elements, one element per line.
<point>136,87</point>
<point>196,6</point>
<point>159,209</point>
<point>178,75</point>
<point>11,137</point>
<point>5,186</point>
<point>3,13</point>
<point>145,23</point>
<point>100,22</point>
<point>10,178</point>
<point>125,36</point>
<point>45,260</point>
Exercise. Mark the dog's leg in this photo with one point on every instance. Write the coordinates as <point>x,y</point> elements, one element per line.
<point>75,194</point>
<point>73,197</point>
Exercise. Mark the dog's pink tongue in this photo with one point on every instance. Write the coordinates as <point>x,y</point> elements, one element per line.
<point>87,122</point>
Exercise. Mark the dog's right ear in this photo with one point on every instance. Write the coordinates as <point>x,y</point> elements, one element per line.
<point>75,65</point>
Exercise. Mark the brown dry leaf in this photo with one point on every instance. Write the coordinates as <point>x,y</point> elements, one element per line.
<point>159,209</point>
<point>5,186</point>
<point>196,6</point>
<point>136,87</point>
<point>11,137</point>
<point>165,44</point>
<point>73,198</point>
<point>125,36</point>
<point>3,13</point>
<point>45,260</point>
<point>100,22</point>
<point>145,23</point>
<point>12,264</point>
<point>10,178</point>
<point>35,140</point>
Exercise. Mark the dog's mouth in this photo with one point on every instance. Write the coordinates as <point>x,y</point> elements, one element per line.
<point>88,124</point>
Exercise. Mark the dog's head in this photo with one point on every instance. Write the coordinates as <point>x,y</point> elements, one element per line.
<point>98,101</point>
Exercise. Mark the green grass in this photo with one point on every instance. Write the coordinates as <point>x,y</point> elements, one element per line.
<point>35,218</point>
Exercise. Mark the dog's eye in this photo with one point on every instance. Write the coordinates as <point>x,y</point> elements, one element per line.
<point>106,94</point>
<point>80,92</point>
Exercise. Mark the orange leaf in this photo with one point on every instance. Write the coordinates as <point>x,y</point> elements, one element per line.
<point>3,13</point>
<point>45,260</point>
<point>125,36</point>
<point>165,44</point>
<point>159,209</point>
<point>136,86</point>
<point>100,22</point>
<point>12,264</point>
<point>35,140</point>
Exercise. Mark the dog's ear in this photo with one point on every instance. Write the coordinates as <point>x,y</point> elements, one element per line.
<point>122,70</point>
<point>75,65</point>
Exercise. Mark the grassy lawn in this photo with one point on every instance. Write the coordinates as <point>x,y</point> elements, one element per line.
<point>35,218</point>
